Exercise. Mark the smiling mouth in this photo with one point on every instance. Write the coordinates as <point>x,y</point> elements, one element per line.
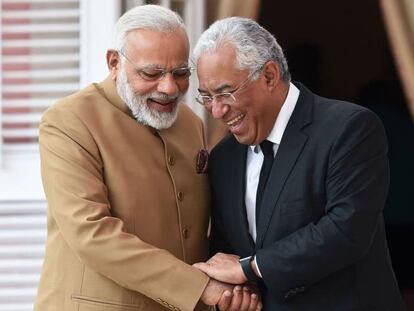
<point>235,121</point>
<point>162,102</point>
<point>162,105</point>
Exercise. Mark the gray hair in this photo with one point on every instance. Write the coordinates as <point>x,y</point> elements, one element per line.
<point>254,45</point>
<point>152,17</point>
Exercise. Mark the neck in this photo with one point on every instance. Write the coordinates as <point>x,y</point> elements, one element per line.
<point>279,97</point>
<point>281,92</point>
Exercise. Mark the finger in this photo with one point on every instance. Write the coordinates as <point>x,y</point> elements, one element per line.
<point>259,306</point>
<point>254,302</point>
<point>217,255</point>
<point>237,299</point>
<point>223,256</point>
<point>198,265</point>
<point>225,301</point>
<point>246,299</point>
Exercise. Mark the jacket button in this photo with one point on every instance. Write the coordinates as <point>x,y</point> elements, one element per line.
<point>300,289</point>
<point>289,293</point>
<point>171,160</point>
<point>186,233</point>
<point>180,196</point>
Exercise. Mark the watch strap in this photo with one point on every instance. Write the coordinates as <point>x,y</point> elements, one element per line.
<point>247,268</point>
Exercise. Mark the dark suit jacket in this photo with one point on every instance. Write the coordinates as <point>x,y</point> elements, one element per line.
<point>320,234</point>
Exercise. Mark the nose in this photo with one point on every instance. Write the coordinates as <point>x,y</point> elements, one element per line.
<point>168,85</point>
<point>219,110</point>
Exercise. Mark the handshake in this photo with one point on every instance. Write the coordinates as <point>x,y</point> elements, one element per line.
<point>228,287</point>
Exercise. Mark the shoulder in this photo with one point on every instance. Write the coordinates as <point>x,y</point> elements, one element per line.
<point>84,102</point>
<point>335,109</point>
<point>336,122</point>
<point>188,123</point>
<point>347,130</point>
<point>187,115</point>
<point>63,132</point>
<point>227,148</point>
<point>321,108</point>
<point>69,119</point>
<point>333,116</point>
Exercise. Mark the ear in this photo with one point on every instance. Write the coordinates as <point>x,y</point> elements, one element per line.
<point>271,74</point>
<point>113,62</point>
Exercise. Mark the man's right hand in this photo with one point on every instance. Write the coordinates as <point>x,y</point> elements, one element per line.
<point>229,298</point>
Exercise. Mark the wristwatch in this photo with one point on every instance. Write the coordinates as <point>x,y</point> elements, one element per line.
<point>247,268</point>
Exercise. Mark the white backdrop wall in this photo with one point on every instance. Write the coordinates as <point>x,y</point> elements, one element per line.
<point>49,49</point>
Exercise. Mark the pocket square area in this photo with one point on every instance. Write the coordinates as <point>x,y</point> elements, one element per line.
<point>202,161</point>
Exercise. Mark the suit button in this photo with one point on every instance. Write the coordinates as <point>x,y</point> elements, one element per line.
<point>180,196</point>
<point>289,293</point>
<point>171,160</point>
<point>186,233</point>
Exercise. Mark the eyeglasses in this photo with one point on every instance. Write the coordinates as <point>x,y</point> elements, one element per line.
<point>225,98</point>
<point>155,74</point>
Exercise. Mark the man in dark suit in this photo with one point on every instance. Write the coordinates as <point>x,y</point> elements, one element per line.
<point>299,187</point>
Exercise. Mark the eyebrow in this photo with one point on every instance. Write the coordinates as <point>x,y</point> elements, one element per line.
<point>222,88</point>
<point>157,66</point>
<point>183,65</point>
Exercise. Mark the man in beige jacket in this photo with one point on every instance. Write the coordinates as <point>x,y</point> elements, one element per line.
<point>124,172</point>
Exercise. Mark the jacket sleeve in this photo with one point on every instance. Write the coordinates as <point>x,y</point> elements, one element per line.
<point>218,238</point>
<point>356,187</point>
<point>72,174</point>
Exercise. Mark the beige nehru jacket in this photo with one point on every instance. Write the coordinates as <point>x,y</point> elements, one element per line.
<point>127,210</point>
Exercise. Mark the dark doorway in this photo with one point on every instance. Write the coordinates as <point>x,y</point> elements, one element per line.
<point>340,49</point>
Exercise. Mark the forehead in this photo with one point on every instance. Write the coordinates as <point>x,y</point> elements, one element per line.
<point>218,68</point>
<point>149,46</point>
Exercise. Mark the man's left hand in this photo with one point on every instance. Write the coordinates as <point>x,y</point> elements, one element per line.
<point>243,298</point>
<point>224,268</point>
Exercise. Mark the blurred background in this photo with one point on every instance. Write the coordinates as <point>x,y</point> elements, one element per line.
<point>361,51</point>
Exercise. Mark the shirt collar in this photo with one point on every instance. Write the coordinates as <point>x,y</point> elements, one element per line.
<point>283,117</point>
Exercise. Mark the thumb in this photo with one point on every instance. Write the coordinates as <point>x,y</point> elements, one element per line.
<point>202,266</point>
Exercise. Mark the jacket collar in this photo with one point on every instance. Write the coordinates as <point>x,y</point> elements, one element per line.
<point>108,89</point>
<point>292,144</point>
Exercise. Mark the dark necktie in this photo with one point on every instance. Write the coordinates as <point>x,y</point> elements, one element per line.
<point>267,149</point>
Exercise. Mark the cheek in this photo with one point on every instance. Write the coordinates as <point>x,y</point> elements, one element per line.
<point>252,117</point>
<point>137,84</point>
<point>183,86</point>
<point>142,88</point>
<point>254,108</point>
<point>252,123</point>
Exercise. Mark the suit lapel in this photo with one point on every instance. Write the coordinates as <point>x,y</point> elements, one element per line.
<point>290,148</point>
<point>237,188</point>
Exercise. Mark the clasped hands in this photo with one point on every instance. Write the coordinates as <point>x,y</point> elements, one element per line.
<point>228,287</point>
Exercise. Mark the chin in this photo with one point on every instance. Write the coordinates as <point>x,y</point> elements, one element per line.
<point>243,140</point>
<point>159,120</point>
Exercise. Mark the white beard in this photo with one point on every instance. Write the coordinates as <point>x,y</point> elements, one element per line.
<point>139,108</point>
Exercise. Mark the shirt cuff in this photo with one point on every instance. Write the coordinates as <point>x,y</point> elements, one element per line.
<point>257,266</point>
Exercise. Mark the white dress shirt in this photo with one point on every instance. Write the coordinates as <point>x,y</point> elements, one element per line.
<point>255,158</point>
